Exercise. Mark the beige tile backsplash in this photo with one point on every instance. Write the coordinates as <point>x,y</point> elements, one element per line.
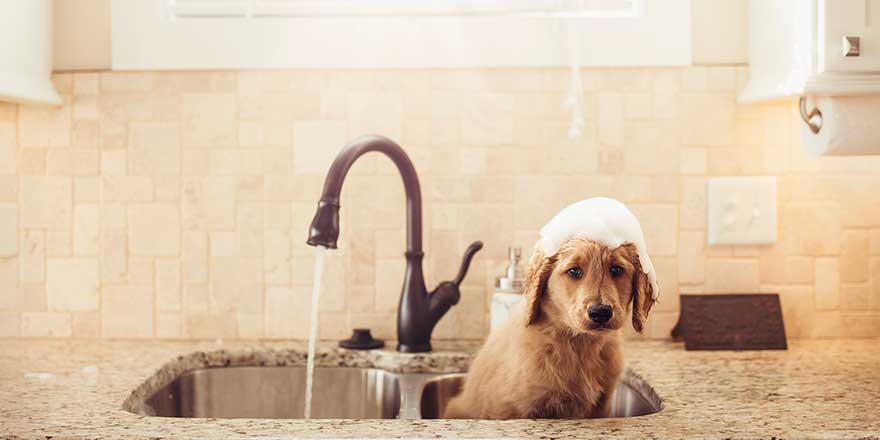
<point>176,205</point>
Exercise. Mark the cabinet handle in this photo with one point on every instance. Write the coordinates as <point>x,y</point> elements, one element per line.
<point>851,46</point>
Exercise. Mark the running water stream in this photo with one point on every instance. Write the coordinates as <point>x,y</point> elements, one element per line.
<point>313,327</point>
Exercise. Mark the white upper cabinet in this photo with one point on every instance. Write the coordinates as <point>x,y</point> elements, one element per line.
<point>26,45</point>
<point>813,47</point>
<point>254,34</point>
<point>858,20</point>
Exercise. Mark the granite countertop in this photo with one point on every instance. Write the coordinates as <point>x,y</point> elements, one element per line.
<point>816,389</point>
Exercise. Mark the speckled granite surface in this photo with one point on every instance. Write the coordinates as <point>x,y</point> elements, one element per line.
<point>817,389</point>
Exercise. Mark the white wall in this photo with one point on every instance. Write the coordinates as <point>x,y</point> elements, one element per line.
<point>719,29</point>
<point>82,33</point>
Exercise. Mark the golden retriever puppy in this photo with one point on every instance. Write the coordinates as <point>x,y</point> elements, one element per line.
<point>558,356</point>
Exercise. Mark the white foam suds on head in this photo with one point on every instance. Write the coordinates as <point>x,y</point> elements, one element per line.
<point>601,219</point>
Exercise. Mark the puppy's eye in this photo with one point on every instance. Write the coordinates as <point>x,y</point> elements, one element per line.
<point>616,271</point>
<point>574,272</point>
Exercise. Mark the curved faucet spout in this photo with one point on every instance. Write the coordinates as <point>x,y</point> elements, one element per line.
<point>325,226</point>
<point>418,312</point>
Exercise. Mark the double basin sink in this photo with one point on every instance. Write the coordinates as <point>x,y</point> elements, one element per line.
<point>339,393</point>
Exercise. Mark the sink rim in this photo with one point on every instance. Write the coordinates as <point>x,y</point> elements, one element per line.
<point>326,357</point>
<point>629,378</point>
<point>401,365</point>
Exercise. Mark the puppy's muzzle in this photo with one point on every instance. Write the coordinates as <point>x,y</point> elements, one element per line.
<point>600,313</point>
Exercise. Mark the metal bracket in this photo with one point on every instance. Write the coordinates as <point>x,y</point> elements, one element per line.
<point>813,119</point>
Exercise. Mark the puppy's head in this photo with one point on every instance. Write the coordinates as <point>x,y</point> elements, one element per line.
<point>586,287</point>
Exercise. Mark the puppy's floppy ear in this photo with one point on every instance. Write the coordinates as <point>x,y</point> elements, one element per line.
<point>642,292</point>
<point>540,268</point>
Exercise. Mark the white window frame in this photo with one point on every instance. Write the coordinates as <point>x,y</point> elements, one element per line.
<point>145,37</point>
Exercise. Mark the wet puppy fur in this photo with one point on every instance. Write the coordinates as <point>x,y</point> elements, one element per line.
<point>550,359</point>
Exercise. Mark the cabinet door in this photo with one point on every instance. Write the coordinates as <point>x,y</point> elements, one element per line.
<point>374,34</point>
<point>853,18</point>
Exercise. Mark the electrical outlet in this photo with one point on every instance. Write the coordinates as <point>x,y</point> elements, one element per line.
<point>742,210</point>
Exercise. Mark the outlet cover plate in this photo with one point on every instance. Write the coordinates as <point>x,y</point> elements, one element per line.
<point>742,210</point>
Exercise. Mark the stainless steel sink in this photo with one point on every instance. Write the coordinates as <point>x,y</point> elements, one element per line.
<point>628,400</point>
<point>339,393</point>
<point>278,393</point>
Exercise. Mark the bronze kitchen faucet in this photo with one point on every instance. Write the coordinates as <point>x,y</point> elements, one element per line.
<point>418,311</point>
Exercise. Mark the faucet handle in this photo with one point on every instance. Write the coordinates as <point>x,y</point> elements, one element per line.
<point>447,293</point>
<point>466,261</point>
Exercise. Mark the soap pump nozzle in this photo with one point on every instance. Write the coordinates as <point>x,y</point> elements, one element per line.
<point>512,281</point>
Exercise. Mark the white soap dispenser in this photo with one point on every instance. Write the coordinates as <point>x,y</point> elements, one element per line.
<point>508,289</point>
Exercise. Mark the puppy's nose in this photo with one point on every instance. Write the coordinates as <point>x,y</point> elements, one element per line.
<point>599,313</point>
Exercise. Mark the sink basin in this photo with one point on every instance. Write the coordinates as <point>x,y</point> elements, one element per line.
<point>278,393</point>
<point>339,393</point>
<point>630,399</point>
